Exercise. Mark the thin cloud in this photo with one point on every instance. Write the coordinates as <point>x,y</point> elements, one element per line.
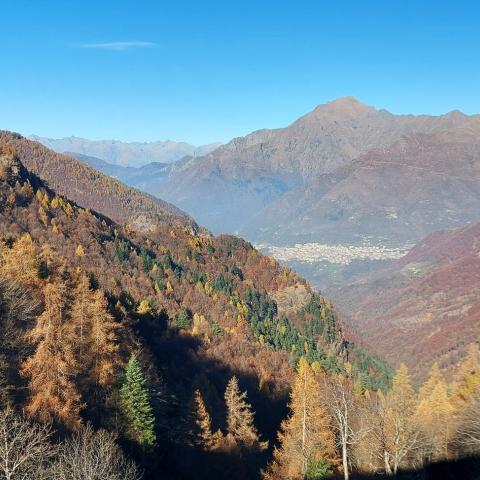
<point>119,46</point>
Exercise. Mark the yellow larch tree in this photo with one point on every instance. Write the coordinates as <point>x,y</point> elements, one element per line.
<point>306,441</point>
<point>206,438</point>
<point>434,415</point>
<point>467,378</point>
<point>97,334</point>
<point>20,262</point>
<point>240,423</point>
<point>401,437</point>
<point>52,368</point>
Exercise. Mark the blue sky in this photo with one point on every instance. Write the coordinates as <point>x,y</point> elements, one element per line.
<point>202,71</point>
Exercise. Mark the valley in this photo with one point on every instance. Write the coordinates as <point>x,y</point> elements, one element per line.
<point>325,265</point>
<point>240,240</point>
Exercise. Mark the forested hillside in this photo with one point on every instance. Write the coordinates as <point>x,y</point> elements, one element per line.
<point>174,355</point>
<point>92,189</point>
<point>106,325</point>
<point>431,295</point>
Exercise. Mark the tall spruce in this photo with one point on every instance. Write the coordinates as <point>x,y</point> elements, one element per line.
<point>136,406</point>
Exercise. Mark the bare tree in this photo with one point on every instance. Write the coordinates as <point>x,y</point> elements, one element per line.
<point>344,410</point>
<point>468,434</point>
<point>90,455</point>
<point>25,450</point>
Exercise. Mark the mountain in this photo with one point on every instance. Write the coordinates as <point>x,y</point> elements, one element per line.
<point>127,154</point>
<point>139,177</point>
<point>194,310</point>
<point>150,178</point>
<point>238,180</point>
<point>396,194</point>
<point>94,190</point>
<point>425,307</point>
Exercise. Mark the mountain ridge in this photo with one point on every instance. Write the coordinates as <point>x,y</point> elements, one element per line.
<point>127,154</point>
<point>92,189</point>
<point>247,174</point>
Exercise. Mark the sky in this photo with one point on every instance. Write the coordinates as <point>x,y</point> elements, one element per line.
<point>204,71</point>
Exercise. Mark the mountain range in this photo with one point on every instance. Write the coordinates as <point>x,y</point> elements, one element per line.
<point>92,189</point>
<point>193,311</point>
<point>127,154</point>
<point>341,173</point>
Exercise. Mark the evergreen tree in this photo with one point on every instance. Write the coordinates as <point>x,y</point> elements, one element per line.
<point>136,406</point>
<point>240,417</point>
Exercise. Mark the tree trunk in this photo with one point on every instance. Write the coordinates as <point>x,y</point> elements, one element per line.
<point>388,468</point>
<point>346,474</point>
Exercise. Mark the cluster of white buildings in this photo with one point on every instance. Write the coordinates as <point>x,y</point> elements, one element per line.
<point>342,254</point>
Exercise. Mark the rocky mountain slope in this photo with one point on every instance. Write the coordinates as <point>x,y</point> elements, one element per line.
<point>239,179</point>
<point>127,154</point>
<point>425,307</point>
<point>396,194</point>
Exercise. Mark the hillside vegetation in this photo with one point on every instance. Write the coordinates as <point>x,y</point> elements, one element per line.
<point>94,190</point>
<point>95,313</point>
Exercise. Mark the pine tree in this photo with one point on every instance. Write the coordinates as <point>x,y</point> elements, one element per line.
<point>240,423</point>
<point>204,423</point>
<point>136,406</point>
<point>51,370</point>
<point>307,443</point>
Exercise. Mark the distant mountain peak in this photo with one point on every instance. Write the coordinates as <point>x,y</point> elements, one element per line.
<point>343,106</point>
<point>347,100</point>
<point>456,114</point>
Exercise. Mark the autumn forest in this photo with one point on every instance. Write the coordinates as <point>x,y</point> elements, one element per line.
<point>172,353</point>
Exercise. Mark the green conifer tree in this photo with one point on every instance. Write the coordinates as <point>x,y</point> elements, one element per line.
<point>136,406</point>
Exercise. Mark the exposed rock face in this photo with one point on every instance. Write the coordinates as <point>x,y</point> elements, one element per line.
<point>240,179</point>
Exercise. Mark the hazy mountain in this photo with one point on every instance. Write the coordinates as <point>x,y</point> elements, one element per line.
<point>140,177</point>
<point>132,154</point>
<point>425,306</point>
<point>237,180</point>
